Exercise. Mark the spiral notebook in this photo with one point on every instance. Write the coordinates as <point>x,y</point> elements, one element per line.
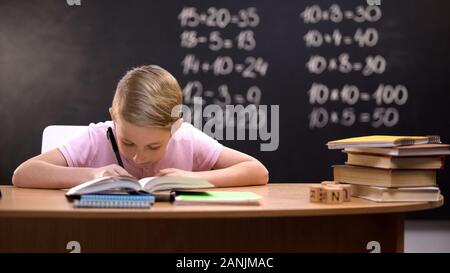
<point>114,201</point>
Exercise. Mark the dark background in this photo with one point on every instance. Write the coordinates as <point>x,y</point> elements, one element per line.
<point>59,64</point>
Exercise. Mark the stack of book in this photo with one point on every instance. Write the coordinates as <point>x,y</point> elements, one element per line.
<point>391,168</point>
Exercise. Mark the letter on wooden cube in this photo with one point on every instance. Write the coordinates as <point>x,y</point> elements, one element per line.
<point>333,195</point>
<point>347,192</point>
<point>315,193</point>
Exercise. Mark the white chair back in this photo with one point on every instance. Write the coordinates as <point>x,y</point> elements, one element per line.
<point>55,135</point>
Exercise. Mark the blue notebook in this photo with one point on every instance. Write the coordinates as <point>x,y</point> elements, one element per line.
<point>114,201</point>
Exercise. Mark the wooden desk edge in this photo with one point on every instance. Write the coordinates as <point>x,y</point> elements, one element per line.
<point>218,211</point>
<point>149,214</point>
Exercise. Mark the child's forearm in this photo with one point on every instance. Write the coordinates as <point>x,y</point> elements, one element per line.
<point>242,174</point>
<point>40,174</point>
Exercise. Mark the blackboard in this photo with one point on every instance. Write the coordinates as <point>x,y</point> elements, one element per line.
<point>335,69</point>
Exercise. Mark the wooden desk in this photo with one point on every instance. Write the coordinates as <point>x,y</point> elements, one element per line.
<point>33,220</point>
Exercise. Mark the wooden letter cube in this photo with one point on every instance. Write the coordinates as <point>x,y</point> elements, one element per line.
<point>347,192</point>
<point>329,183</point>
<point>332,195</point>
<point>315,193</point>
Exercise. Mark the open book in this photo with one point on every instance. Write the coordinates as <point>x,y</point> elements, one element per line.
<point>131,184</point>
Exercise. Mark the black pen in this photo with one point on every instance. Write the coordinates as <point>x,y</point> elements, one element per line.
<point>164,196</point>
<point>170,196</point>
<point>111,138</point>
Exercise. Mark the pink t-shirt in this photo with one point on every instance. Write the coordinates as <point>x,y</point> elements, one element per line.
<point>188,149</point>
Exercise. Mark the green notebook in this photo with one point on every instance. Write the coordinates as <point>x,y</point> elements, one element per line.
<point>217,197</point>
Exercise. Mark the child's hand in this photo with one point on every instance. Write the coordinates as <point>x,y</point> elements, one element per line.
<point>110,170</point>
<point>175,172</point>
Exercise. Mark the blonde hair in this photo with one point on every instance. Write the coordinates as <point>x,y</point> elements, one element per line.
<point>147,96</point>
